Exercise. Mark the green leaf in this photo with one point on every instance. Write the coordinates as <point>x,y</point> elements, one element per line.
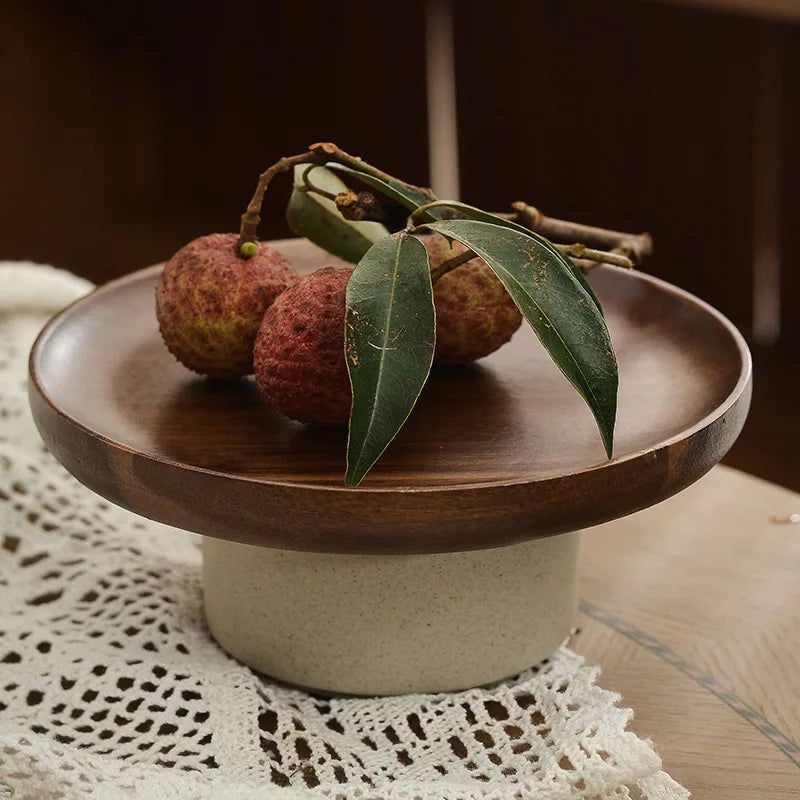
<point>401,193</point>
<point>317,218</point>
<point>558,308</point>
<point>581,278</point>
<point>390,333</point>
<point>470,212</point>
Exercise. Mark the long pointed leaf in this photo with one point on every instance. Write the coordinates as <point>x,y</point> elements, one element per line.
<point>463,210</point>
<point>470,212</point>
<point>318,219</point>
<point>390,333</point>
<point>557,307</point>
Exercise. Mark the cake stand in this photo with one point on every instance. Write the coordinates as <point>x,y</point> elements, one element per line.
<point>455,563</point>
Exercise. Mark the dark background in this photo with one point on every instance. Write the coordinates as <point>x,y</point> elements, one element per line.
<point>129,128</point>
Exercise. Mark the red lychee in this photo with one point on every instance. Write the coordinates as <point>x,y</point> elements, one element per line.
<point>210,302</point>
<point>475,315</point>
<point>299,351</point>
<point>299,356</point>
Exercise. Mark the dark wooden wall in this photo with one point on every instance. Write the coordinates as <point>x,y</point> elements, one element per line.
<point>131,127</point>
<point>128,128</point>
<point>631,114</point>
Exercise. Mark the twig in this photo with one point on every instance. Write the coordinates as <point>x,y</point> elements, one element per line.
<point>330,152</point>
<point>582,252</point>
<point>360,206</point>
<point>451,264</point>
<point>635,246</point>
<point>583,256</point>
<point>252,215</point>
<point>318,154</point>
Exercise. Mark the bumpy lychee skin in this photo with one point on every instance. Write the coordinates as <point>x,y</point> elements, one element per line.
<point>210,303</point>
<point>299,351</point>
<point>475,315</point>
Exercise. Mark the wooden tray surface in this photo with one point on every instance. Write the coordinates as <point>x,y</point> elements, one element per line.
<point>494,453</point>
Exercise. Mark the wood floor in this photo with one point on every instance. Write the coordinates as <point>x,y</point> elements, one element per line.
<point>691,609</point>
<point>769,446</point>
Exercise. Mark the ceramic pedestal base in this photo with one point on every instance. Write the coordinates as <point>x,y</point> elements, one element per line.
<point>367,624</point>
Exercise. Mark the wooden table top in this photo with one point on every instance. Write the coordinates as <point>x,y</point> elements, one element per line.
<point>692,609</point>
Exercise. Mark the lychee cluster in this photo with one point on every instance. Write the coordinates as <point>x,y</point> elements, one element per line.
<point>225,316</point>
<point>299,359</point>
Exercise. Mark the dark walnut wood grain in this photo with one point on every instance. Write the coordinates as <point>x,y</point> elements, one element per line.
<point>494,453</point>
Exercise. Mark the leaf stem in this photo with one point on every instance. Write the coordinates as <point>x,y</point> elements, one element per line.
<point>448,212</point>
<point>310,187</point>
<point>451,264</point>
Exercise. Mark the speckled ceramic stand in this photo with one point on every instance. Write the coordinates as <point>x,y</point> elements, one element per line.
<point>366,624</point>
<point>454,564</point>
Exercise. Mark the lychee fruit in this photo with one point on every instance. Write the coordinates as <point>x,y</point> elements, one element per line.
<point>210,302</point>
<point>299,358</point>
<point>475,315</point>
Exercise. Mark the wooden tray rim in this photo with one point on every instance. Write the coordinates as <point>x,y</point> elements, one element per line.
<point>744,379</point>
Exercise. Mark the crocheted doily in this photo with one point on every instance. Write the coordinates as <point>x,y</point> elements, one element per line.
<point>111,686</point>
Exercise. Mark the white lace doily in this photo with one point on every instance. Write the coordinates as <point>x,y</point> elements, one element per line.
<point>111,687</point>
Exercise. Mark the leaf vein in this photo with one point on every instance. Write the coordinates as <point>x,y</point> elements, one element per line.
<point>383,348</point>
<point>549,322</point>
